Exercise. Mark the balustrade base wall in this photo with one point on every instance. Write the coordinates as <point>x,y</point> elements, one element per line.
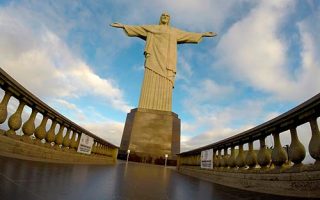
<point>18,149</point>
<point>296,184</point>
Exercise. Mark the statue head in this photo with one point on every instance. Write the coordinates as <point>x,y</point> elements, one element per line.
<point>165,19</point>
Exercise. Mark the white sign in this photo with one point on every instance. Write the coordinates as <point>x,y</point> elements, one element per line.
<point>85,144</point>
<point>206,159</point>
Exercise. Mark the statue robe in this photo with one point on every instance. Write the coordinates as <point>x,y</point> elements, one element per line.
<point>160,62</point>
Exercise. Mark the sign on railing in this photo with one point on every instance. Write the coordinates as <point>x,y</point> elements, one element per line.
<point>85,144</point>
<point>206,159</point>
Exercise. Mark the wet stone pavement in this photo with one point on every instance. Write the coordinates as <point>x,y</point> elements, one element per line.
<point>133,181</point>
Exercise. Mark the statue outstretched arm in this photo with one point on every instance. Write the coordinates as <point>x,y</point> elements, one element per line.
<point>190,37</point>
<point>209,34</point>
<point>132,31</point>
<point>117,25</point>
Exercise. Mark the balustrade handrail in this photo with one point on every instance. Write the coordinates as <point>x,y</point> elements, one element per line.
<point>21,93</point>
<point>290,119</point>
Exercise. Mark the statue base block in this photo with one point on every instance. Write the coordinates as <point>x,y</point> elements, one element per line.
<point>150,135</point>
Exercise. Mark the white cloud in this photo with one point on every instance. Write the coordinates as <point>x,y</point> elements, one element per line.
<point>185,70</point>
<point>208,90</point>
<point>109,130</point>
<point>309,29</point>
<point>73,111</point>
<point>254,51</point>
<point>38,54</point>
<point>215,125</point>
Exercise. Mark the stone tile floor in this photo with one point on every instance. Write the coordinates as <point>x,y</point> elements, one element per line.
<point>133,181</point>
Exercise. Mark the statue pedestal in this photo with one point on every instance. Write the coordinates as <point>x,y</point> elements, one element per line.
<point>150,134</point>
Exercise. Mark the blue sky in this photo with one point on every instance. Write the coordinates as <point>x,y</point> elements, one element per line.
<point>264,61</point>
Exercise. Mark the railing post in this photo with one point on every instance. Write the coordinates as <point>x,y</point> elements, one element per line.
<point>225,157</point>
<point>264,156</point>
<point>94,147</point>
<point>66,139</point>
<point>59,137</point>
<point>15,120</point>
<point>219,159</point>
<point>78,141</point>
<point>240,160</point>
<point>73,142</point>
<point>50,136</point>
<point>4,107</point>
<point>251,158</point>
<point>40,131</point>
<point>214,159</point>
<point>232,158</point>
<point>297,151</point>
<point>28,127</point>
<point>279,155</point>
<point>314,145</point>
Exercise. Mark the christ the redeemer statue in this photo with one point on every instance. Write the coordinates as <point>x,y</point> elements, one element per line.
<point>160,59</point>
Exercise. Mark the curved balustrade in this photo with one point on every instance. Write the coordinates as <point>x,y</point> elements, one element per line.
<point>308,112</point>
<point>39,135</point>
<point>265,161</point>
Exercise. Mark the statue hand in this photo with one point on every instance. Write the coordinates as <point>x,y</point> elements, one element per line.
<point>209,34</point>
<point>117,25</point>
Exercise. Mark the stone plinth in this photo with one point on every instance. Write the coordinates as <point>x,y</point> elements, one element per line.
<point>151,133</point>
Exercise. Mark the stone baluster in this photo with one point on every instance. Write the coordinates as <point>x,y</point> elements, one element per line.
<point>214,159</point>
<point>232,158</point>
<point>297,151</point>
<point>59,137</point>
<point>73,142</point>
<point>66,139</point>
<point>187,160</point>
<point>50,136</point>
<point>103,149</point>
<point>192,160</point>
<point>219,159</point>
<point>97,148</point>
<point>198,160</point>
<point>108,151</point>
<point>195,160</point>
<point>4,107</point>
<point>40,131</point>
<point>314,145</point>
<point>251,158</point>
<point>279,155</point>
<point>225,157</point>
<point>115,153</point>
<point>240,160</point>
<point>264,156</point>
<point>28,127</point>
<point>94,147</point>
<point>100,149</point>
<point>15,120</point>
<point>78,140</point>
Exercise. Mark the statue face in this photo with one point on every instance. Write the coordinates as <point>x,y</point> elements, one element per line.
<point>165,18</point>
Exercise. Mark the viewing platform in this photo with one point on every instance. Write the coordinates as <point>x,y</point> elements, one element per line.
<point>70,169</point>
<point>133,181</point>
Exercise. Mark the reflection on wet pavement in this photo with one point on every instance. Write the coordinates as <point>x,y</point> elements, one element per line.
<point>34,180</point>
